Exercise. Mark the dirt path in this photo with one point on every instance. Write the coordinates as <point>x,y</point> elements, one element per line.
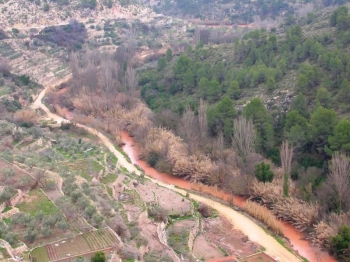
<point>240,222</point>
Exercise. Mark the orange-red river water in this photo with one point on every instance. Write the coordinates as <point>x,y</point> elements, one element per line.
<point>303,247</point>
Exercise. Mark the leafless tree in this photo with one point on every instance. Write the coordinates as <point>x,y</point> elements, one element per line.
<point>220,141</point>
<point>286,153</point>
<point>89,78</point>
<point>131,78</point>
<point>74,64</point>
<point>338,180</point>
<point>202,120</point>
<point>107,81</point>
<point>243,136</point>
<point>188,128</point>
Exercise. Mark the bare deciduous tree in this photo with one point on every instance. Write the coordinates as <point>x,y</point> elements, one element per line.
<point>107,81</point>
<point>131,78</point>
<point>243,136</point>
<point>202,120</point>
<point>74,64</point>
<point>188,128</point>
<point>286,153</point>
<point>338,180</point>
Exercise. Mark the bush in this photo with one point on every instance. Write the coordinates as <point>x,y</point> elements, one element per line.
<point>12,105</point>
<point>25,117</point>
<point>15,30</point>
<point>204,210</point>
<point>158,213</point>
<point>68,36</point>
<point>88,4</point>
<point>341,242</point>
<point>8,172</point>
<point>46,7</point>
<point>118,226</point>
<point>128,252</point>
<point>5,67</point>
<point>25,80</point>
<point>263,173</point>
<point>99,257</point>
<point>152,159</point>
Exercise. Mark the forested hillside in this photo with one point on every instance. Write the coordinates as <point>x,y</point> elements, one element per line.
<point>292,82</point>
<point>238,12</point>
<point>302,80</point>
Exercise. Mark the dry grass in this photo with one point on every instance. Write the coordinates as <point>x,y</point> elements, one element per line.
<point>299,213</point>
<point>264,215</point>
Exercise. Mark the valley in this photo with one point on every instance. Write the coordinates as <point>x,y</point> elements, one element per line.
<point>194,130</point>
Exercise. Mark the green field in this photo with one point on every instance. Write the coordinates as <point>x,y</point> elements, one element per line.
<point>40,254</point>
<point>38,202</point>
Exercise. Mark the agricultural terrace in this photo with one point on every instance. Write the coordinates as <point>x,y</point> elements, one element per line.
<point>81,245</point>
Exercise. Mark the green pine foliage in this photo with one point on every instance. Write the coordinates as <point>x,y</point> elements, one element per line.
<point>341,242</point>
<point>263,173</point>
<point>313,65</point>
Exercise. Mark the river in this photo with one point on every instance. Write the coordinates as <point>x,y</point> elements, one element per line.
<point>241,222</point>
<point>299,244</point>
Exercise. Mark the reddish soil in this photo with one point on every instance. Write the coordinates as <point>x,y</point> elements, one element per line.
<point>219,232</point>
<point>51,252</point>
<point>149,230</point>
<point>132,211</point>
<point>170,201</point>
<point>204,249</point>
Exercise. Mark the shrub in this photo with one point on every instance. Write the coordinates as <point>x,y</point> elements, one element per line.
<point>66,35</point>
<point>6,194</point>
<point>263,172</point>
<point>204,210</point>
<point>3,35</point>
<point>5,67</point>
<point>25,80</point>
<point>158,213</point>
<point>264,215</point>
<point>88,4</point>
<point>46,7</point>
<point>152,159</point>
<point>99,257</point>
<point>25,117</point>
<point>341,242</point>
<point>15,30</point>
<point>12,105</point>
<point>118,226</point>
<point>129,252</point>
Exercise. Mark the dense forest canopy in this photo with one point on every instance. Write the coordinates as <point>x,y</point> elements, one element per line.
<point>313,116</point>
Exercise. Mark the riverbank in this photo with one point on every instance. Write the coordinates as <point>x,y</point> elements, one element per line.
<point>240,222</point>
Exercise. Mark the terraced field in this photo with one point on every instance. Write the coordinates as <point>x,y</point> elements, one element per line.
<point>77,246</point>
<point>100,239</point>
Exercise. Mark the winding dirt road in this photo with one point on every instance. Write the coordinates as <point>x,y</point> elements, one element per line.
<point>239,221</point>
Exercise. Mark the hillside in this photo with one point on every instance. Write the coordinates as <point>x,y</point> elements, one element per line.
<point>244,103</point>
<point>65,194</point>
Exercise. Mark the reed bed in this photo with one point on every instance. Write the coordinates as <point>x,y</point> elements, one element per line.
<point>264,215</point>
